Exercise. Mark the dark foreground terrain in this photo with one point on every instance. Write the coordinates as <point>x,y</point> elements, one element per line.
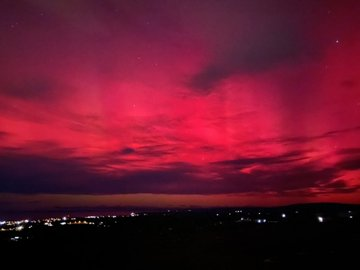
<point>297,237</point>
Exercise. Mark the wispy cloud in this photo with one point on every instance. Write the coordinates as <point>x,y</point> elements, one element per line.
<point>34,174</point>
<point>37,89</point>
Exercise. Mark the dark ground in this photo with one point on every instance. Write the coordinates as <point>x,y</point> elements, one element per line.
<point>187,241</point>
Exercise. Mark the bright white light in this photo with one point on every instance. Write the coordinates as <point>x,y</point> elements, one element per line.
<point>264,220</point>
<point>132,214</point>
<point>63,223</point>
<point>64,218</point>
<point>283,215</point>
<point>217,215</point>
<point>351,217</point>
<point>19,228</point>
<point>2,222</point>
<point>320,219</point>
<point>26,221</point>
<point>258,221</point>
<point>15,238</point>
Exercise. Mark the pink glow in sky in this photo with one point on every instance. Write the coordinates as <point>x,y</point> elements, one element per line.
<point>178,103</point>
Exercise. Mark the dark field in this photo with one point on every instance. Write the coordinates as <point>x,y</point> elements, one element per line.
<point>196,240</point>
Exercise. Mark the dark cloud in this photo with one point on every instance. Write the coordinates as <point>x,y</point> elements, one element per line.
<point>254,44</point>
<point>28,174</point>
<point>251,54</point>
<point>300,177</point>
<point>39,146</point>
<point>35,174</point>
<point>148,151</point>
<point>33,89</point>
<point>340,131</point>
<point>157,150</point>
<point>349,151</point>
<point>351,163</point>
<point>337,186</point>
<point>304,139</point>
<point>48,146</point>
<point>127,151</point>
<point>244,162</point>
<point>21,173</point>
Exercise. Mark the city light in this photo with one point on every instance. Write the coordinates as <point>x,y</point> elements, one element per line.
<point>250,217</point>
<point>19,228</point>
<point>15,238</point>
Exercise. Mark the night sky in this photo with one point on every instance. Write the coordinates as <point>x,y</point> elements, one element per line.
<point>162,104</point>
